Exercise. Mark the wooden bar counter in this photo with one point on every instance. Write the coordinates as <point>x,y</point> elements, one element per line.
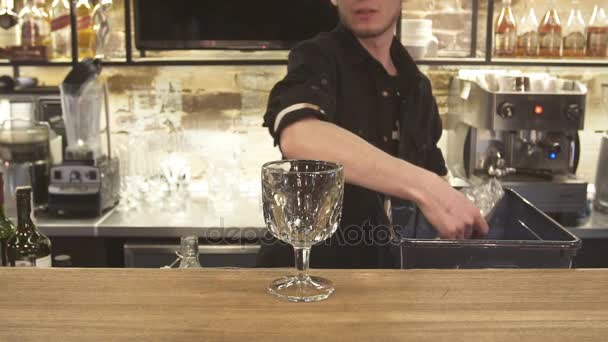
<point>368,305</point>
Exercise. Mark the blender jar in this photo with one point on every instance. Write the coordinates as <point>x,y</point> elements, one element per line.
<point>81,100</point>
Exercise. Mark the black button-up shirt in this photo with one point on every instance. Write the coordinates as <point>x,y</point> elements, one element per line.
<point>334,78</point>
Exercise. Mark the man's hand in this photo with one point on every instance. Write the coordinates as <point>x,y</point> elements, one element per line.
<point>449,211</point>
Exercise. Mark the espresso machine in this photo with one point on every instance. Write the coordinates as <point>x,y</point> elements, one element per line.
<point>522,129</point>
<point>601,178</point>
<point>87,183</point>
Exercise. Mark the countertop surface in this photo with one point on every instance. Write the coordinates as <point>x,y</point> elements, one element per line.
<point>368,305</point>
<point>242,219</point>
<point>593,227</point>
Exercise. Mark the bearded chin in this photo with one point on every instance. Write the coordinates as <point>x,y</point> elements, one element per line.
<point>367,34</point>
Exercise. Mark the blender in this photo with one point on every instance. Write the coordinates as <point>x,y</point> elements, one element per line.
<point>25,156</point>
<point>87,182</point>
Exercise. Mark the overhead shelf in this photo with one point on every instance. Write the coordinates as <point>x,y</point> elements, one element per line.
<point>582,62</point>
<point>134,57</point>
<point>263,62</point>
<point>4,62</point>
<point>515,62</point>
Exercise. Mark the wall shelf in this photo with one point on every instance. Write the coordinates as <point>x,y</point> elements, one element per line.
<point>35,63</point>
<point>471,60</point>
<point>552,62</point>
<point>514,62</point>
<point>198,62</point>
<point>274,62</point>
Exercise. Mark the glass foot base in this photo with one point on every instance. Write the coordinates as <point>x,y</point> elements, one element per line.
<point>301,289</point>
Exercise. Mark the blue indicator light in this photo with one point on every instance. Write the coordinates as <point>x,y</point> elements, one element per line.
<point>552,155</point>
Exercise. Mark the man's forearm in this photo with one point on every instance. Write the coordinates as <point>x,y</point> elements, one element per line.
<point>364,164</point>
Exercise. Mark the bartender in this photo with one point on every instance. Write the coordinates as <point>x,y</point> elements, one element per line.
<point>354,96</point>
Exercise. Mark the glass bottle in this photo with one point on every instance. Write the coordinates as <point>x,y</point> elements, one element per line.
<point>527,39</point>
<point>30,32</point>
<point>574,34</point>
<point>101,26</point>
<point>86,35</point>
<point>28,247</point>
<point>550,33</point>
<point>61,38</point>
<point>44,19</point>
<point>597,33</point>
<point>35,28</point>
<point>9,19</point>
<point>7,228</point>
<point>505,31</point>
<point>114,44</point>
<point>189,252</point>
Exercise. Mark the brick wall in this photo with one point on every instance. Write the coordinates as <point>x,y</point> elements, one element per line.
<point>228,101</point>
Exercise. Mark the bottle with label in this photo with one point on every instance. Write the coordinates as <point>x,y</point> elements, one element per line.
<point>505,32</point>
<point>30,33</point>
<point>61,38</point>
<point>28,247</point>
<point>550,33</point>
<point>86,34</point>
<point>35,29</point>
<point>7,228</point>
<point>575,40</point>
<point>597,33</point>
<point>527,38</point>
<point>9,33</point>
<point>44,17</point>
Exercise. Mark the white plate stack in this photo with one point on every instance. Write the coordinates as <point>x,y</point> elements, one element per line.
<point>417,37</point>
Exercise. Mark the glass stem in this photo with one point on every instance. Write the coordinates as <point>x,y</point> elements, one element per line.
<point>302,259</point>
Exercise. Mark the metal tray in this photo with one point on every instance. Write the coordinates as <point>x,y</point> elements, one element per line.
<point>520,236</point>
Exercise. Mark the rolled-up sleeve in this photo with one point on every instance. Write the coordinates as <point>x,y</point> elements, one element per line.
<point>308,90</point>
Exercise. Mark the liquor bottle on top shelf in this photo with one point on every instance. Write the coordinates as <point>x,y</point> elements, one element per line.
<point>527,39</point>
<point>550,33</point>
<point>30,32</point>
<point>574,34</point>
<point>86,34</point>
<point>61,39</point>
<point>45,27</point>
<point>597,33</point>
<point>505,32</point>
<point>102,27</point>
<point>35,28</point>
<point>9,20</point>
<point>28,247</point>
<point>7,228</point>
<point>113,43</point>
